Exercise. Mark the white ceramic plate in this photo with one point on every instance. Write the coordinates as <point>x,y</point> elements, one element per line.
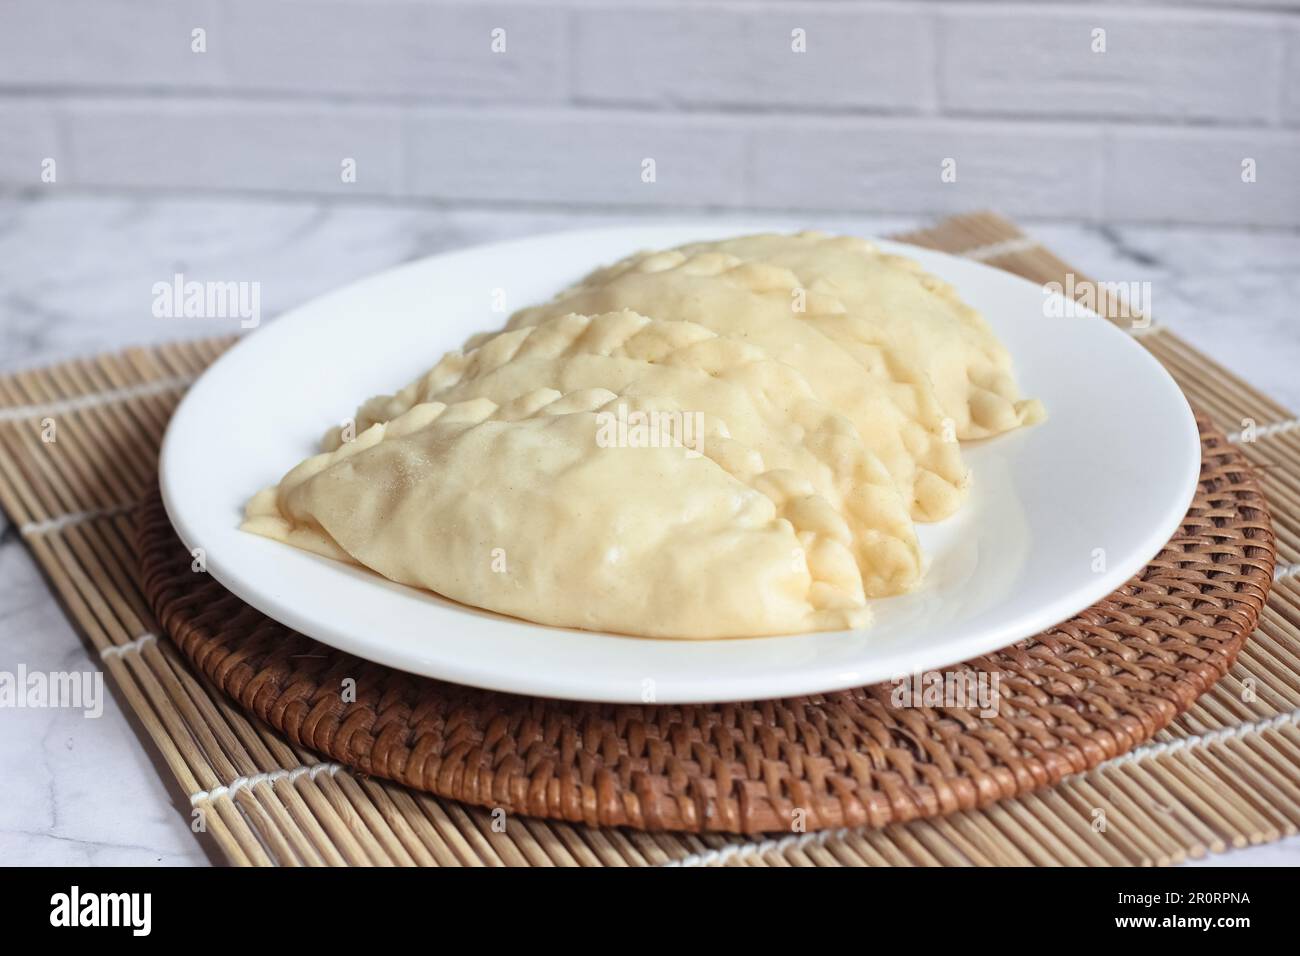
<point>1059,515</point>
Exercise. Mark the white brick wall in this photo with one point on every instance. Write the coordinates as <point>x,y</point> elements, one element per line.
<point>1291,79</point>
<point>595,157</point>
<point>417,51</point>
<point>116,44</point>
<point>232,145</point>
<point>30,134</point>
<point>1154,129</point>
<point>894,165</point>
<point>873,58</point>
<point>1202,176</point>
<point>1157,65</point>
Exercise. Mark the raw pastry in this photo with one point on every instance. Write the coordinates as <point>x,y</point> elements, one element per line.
<point>820,389</point>
<point>895,316</point>
<point>519,509</point>
<point>766,405</point>
<point>895,417</point>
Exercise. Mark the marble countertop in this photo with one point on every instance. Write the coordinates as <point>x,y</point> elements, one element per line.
<point>76,276</point>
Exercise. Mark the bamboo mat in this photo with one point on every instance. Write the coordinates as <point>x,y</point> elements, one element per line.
<point>1224,774</point>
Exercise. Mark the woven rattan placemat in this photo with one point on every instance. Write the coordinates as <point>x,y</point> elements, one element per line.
<point>1224,773</point>
<point>1082,692</point>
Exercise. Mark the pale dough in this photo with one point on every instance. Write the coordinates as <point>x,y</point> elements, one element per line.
<point>895,417</point>
<point>766,405</point>
<point>828,385</point>
<point>893,316</point>
<point>518,509</point>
